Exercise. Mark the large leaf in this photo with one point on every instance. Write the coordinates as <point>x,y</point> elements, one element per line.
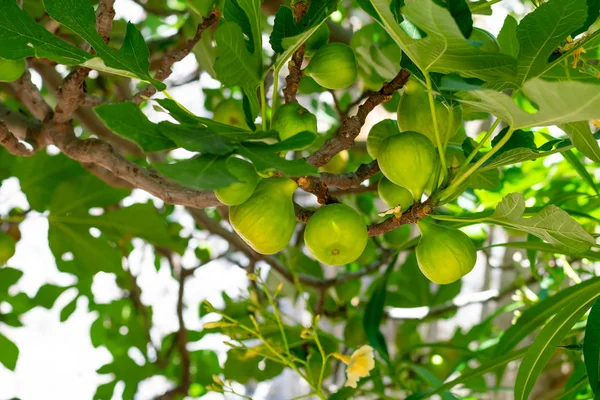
<point>445,49</point>
<point>545,343</point>
<point>21,36</point>
<point>551,224</point>
<point>9,352</point>
<point>202,172</point>
<point>235,65</point>
<point>266,158</point>
<point>591,348</point>
<point>79,16</point>
<point>557,103</point>
<point>127,120</point>
<point>583,139</point>
<point>542,31</point>
<point>507,38</point>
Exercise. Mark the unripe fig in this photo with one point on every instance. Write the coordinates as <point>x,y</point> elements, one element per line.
<point>231,112</point>
<point>408,160</point>
<point>397,237</point>
<point>266,220</point>
<point>369,254</point>
<point>333,66</point>
<point>336,234</point>
<point>291,119</point>
<point>394,195</point>
<point>444,254</point>
<point>238,192</point>
<point>378,133</point>
<point>11,70</point>
<point>337,164</point>
<point>414,114</point>
<point>484,40</point>
<point>317,40</point>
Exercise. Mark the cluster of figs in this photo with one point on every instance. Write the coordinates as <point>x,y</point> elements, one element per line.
<point>262,208</point>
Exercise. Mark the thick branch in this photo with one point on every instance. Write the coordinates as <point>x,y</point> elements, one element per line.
<point>164,71</point>
<point>350,129</point>
<point>30,96</point>
<point>12,144</point>
<point>103,154</point>
<point>350,179</point>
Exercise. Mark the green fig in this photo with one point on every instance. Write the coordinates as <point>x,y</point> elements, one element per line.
<point>318,39</point>
<point>336,234</point>
<point>369,254</point>
<point>291,119</point>
<point>378,133</point>
<point>266,221</point>
<point>414,114</point>
<point>408,160</point>
<point>398,237</point>
<point>231,112</point>
<point>11,70</point>
<point>337,164</point>
<point>484,40</point>
<point>394,195</point>
<point>333,66</point>
<point>7,248</point>
<point>238,192</point>
<point>444,254</point>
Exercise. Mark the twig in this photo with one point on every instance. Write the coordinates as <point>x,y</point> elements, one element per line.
<point>351,179</point>
<point>295,64</point>
<point>344,139</point>
<point>12,144</point>
<point>164,71</point>
<point>30,96</point>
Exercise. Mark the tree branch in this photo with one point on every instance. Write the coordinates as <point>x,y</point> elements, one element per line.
<point>344,139</point>
<point>12,144</point>
<point>30,96</point>
<point>295,64</point>
<point>164,70</point>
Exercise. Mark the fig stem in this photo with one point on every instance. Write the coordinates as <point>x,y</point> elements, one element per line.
<point>263,104</point>
<point>440,145</point>
<point>480,144</point>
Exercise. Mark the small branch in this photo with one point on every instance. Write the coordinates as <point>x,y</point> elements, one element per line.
<point>313,185</point>
<point>135,296</point>
<point>164,70</point>
<point>351,127</point>
<point>12,144</point>
<point>295,64</point>
<point>105,14</point>
<point>30,96</point>
<point>351,179</point>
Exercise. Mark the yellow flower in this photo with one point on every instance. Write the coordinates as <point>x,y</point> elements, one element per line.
<point>359,364</point>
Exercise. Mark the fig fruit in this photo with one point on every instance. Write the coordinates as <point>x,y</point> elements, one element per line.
<point>398,237</point>
<point>11,70</point>
<point>336,234</point>
<point>7,248</point>
<point>238,192</point>
<point>414,114</point>
<point>484,40</point>
<point>408,160</point>
<point>369,254</point>
<point>231,112</point>
<point>266,220</point>
<point>291,119</point>
<point>378,133</point>
<point>337,164</point>
<point>444,254</point>
<point>394,195</point>
<point>333,66</point>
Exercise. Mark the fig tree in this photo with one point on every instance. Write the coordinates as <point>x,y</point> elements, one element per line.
<point>444,254</point>
<point>333,66</point>
<point>414,114</point>
<point>11,70</point>
<point>266,220</point>
<point>336,234</point>
<point>230,112</point>
<point>378,133</point>
<point>394,195</point>
<point>291,119</point>
<point>238,192</point>
<point>408,160</point>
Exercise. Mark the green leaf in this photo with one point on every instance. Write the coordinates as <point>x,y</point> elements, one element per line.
<point>459,9</point>
<point>9,353</point>
<point>21,36</point>
<point>582,138</point>
<point>127,120</point>
<point>557,103</point>
<point>431,380</point>
<point>546,248</point>
<point>235,65</point>
<point>551,224</point>
<point>265,159</point>
<point>542,31</point>
<point>536,315</point>
<point>591,348</point>
<point>593,14</point>
<point>47,295</point>
<point>578,166</point>
<point>197,138</point>
<point>8,277</point>
<point>202,172</point>
<point>445,49</point>
<point>68,310</point>
<point>374,313</point>
<point>507,38</point>
<point>79,16</point>
<point>543,347</point>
